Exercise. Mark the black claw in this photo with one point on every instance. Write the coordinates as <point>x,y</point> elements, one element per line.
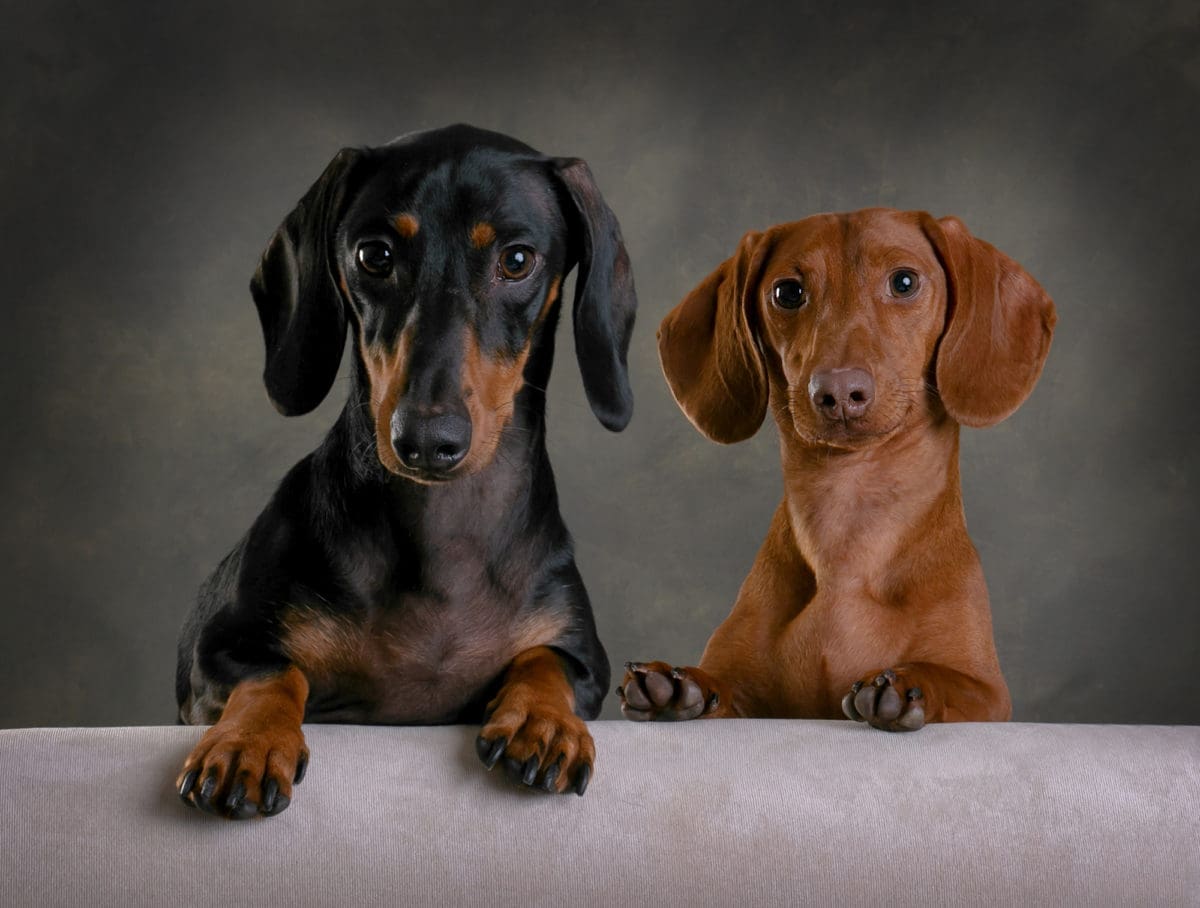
<point>514,768</point>
<point>280,805</point>
<point>712,702</point>
<point>582,777</point>
<point>881,680</point>
<point>270,792</point>
<point>856,687</point>
<point>185,787</point>
<point>245,811</point>
<point>915,693</point>
<point>301,768</point>
<point>203,796</point>
<point>237,796</point>
<point>529,770</point>
<point>209,786</point>
<point>490,751</point>
<point>496,752</point>
<point>551,775</point>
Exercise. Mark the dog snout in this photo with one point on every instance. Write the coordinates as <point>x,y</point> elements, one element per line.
<point>840,394</point>
<point>432,443</point>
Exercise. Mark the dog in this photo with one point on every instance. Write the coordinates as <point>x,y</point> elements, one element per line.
<point>414,568</point>
<point>871,336</point>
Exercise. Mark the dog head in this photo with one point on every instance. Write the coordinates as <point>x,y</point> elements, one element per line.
<point>855,326</point>
<point>445,252</point>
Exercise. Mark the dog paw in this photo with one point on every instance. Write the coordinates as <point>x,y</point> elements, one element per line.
<point>238,774</point>
<point>885,701</point>
<point>658,692</point>
<point>549,750</point>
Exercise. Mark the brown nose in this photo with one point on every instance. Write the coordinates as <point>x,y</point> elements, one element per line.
<point>839,394</point>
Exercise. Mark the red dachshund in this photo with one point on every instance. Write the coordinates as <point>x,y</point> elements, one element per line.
<point>872,336</point>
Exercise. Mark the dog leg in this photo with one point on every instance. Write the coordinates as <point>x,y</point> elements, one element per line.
<point>533,728</point>
<point>904,698</point>
<point>247,763</point>
<point>656,691</point>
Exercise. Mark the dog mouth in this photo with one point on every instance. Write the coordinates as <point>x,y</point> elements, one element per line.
<point>846,437</point>
<point>847,434</point>
<point>477,459</point>
<point>424,477</point>
<point>419,474</point>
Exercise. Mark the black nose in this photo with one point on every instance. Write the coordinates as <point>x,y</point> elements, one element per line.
<point>434,444</point>
<point>841,393</point>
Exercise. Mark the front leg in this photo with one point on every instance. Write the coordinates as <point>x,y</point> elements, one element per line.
<point>532,726</point>
<point>908,696</point>
<point>248,761</point>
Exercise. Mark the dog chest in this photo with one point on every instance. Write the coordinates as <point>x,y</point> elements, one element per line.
<point>423,660</point>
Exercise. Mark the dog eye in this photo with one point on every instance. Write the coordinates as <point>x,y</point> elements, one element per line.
<point>375,258</point>
<point>903,283</point>
<point>789,294</point>
<point>515,262</point>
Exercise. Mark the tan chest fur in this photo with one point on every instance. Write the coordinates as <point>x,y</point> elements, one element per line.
<point>420,660</point>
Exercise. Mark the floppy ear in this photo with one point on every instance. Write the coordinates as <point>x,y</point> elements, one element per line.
<point>605,301</point>
<point>710,351</point>
<point>296,292</point>
<point>998,326</point>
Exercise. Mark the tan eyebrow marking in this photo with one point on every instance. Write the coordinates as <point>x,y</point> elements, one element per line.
<point>482,234</point>
<point>406,225</point>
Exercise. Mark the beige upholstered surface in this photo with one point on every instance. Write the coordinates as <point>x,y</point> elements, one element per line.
<point>704,813</point>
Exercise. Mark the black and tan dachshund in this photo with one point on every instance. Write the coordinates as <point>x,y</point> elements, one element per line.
<point>414,568</point>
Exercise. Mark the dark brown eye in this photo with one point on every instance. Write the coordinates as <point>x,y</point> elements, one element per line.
<point>903,283</point>
<point>789,293</point>
<point>516,262</point>
<point>375,258</point>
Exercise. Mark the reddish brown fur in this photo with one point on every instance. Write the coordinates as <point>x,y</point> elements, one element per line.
<point>387,371</point>
<point>867,564</point>
<point>257,738</point>
<point>534,711</point>
<point>490,387</point>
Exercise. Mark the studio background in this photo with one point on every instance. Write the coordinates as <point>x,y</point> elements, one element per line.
<point>150,151</point>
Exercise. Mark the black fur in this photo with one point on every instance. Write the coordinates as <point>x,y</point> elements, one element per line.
<point>420,572</point>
